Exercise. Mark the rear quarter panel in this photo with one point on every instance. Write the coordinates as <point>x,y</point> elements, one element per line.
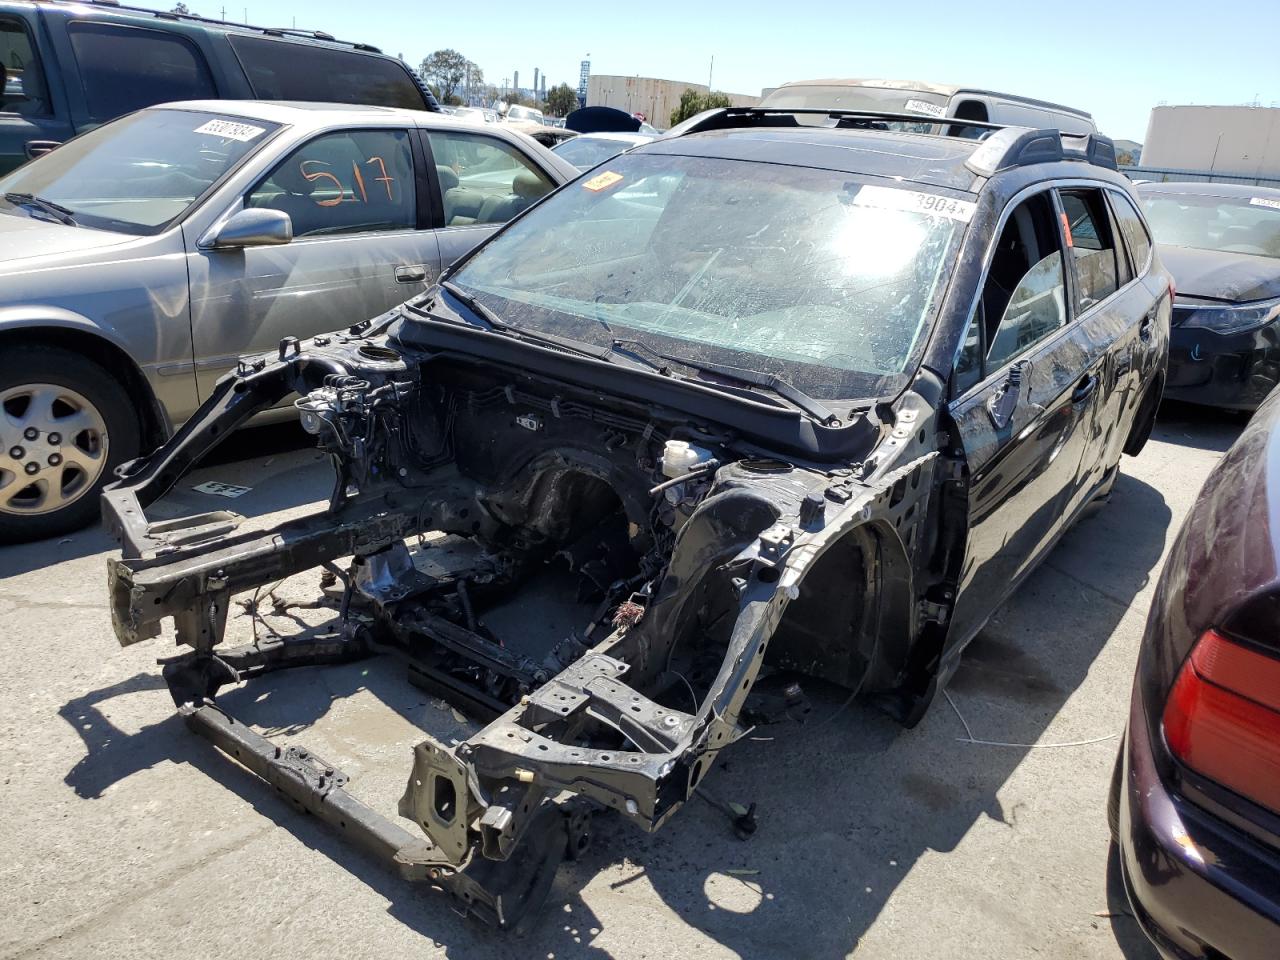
<point>1226,552</point>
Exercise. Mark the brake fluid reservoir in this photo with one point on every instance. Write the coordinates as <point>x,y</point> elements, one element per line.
<point>681,456</point>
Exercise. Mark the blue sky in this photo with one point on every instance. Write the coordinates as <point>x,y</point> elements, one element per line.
<point>1115,59</point>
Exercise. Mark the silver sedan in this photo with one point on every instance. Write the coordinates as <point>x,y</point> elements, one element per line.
<point>140,260</point>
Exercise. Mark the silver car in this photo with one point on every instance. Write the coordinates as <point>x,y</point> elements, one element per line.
<point>138,261</point>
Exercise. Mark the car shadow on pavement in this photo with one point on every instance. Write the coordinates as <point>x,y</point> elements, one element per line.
<point>1191,425</point>
<point>1133,943</point>
<point>256,446</point>
<point>847,802</point>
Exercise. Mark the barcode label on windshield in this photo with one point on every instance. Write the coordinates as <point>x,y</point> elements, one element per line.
<point>228,130</point>
<point>925,107</point>
<point>1265,202</point>
<point>930,204</point>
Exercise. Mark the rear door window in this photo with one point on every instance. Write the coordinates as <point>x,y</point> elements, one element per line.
<point>1133,230</point>
<point>354,181</point>
<point>284,70</point>
<point>126,68</point>
<point>22,86</point>
<point>1098,273</point>
<point>483,179</point>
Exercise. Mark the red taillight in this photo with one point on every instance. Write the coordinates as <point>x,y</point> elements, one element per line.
<point>1222,718</point>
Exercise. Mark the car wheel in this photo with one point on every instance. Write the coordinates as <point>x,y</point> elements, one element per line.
<point>65,424</point>
<point>1113,796</point>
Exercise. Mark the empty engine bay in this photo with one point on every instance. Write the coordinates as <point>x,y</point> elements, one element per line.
<point>675,559</point>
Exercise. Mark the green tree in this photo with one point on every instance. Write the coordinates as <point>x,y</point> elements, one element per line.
<point>446,70</point>
<point>181,8</point>
<point>693,103</point>
<point>562,100</point>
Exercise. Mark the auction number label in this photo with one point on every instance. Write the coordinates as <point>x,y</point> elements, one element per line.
<point>914,201</point>
<point>925,107</point>
<point>1265,202</point>
<point>602,181</point>
<point>244,132</point>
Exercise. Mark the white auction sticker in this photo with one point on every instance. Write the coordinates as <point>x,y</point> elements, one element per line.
<point>219,489</point>
<point>931,204</point>
<point>228,130</point>
<point>1265,202</point>
<point>925,107</point>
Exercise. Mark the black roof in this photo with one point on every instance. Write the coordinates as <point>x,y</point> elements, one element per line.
<point>292,33</point>
<point>939,161</point>
<point>860,142</point>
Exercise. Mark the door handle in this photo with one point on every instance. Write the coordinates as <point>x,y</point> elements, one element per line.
<point>38,148</point>
<point>1084,389</point>
<point>1144,329</point>
<point>411,274</point>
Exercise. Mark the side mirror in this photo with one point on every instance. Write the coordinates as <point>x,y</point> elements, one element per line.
<point>254,227</point>
<point>1002,403</point>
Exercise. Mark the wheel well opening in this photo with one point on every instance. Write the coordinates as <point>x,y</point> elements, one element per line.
<point>112,359</point>
<point>851,624</point>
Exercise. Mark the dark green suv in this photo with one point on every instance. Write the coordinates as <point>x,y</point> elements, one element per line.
<point>67,68</point>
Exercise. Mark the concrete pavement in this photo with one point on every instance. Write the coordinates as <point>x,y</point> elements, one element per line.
<point>125,836</point>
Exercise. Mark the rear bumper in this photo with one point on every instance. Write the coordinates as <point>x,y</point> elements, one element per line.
<point>1235,371</point>
<point>1198,887</point>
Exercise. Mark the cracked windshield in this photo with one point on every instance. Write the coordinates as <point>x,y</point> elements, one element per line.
<point>813,275</point>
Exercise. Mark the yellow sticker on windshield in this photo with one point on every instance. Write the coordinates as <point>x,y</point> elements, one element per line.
<point>602,180</point>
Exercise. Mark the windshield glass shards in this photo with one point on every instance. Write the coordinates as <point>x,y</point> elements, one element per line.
<point>815,276</point>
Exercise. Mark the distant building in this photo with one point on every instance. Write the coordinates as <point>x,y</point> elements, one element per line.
<point>654,98</point>
<point>1128,152</point>
<point>1244,141</point>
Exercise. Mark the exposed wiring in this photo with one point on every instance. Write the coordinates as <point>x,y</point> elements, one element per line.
<point>967,732</point>
<point>692,474</point>
<point>969,737</point>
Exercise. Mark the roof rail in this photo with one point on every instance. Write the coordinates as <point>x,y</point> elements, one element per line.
<point>1019,146</point>
<point>731,118</point>
<point>1092,148</point>
<point>1015,147</point>
<point>196,18</point>
<point>295,32</point>
<point>1002,147</point>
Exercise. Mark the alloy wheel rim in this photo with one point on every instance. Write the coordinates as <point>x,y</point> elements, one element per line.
<point>53,448</point>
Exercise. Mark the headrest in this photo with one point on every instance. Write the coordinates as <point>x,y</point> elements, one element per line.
<point>528,185</point>
<point>290,176</point>
<point>448,179</point>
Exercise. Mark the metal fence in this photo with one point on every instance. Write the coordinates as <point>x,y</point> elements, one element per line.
<point>1162,175</point>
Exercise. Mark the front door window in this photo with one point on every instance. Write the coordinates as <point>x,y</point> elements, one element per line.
<point>354,181</point>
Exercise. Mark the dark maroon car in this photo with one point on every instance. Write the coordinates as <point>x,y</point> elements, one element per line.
<point>1195,804</point>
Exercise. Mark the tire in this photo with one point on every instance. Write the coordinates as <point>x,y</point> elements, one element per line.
<point>1113,795</point>
<point>51,477</point>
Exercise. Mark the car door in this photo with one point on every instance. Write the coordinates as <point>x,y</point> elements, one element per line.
<point>32,120</point>
<point>361,244</point>
<point>1023,391</point>
<point>481,182</point>
<point>1110,309</point>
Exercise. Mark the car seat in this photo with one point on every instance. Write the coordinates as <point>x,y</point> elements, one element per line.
<point>526,187</point>
<point>295,197</point>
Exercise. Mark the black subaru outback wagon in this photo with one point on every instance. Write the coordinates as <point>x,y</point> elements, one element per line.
<point>753,398</point>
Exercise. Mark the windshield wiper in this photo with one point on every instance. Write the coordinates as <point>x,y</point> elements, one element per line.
<point>55,210</point>
<point>751,378</point>
<point>579,347</point>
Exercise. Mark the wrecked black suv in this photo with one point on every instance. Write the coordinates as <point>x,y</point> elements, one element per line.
<point>765,398</point>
